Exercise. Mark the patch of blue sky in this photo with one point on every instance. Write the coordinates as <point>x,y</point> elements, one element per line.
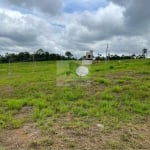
<point>71,6</point>
<point>22,10</point>
<point>3,4</point>
<point>58,25</point>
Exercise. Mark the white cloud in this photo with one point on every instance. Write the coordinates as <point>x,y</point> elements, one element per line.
<point>123,24</point>
<point>86,30</point>
<point>25,31</point>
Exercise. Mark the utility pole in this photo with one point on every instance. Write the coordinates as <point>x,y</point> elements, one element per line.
<point>9,71</point>
<point>107,53</point>
<point>33,62</point>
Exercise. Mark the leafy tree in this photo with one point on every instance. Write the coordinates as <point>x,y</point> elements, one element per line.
<point>23,56</point>
<point>40,55</point>
<point>68,54</point>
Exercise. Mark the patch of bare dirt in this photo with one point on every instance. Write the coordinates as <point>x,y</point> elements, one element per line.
<point>62,137</point>
<point>93,89</point>
<point>19,139</point>
<point>7,91</point>
<point>92,138</point>
<point>25,111</point>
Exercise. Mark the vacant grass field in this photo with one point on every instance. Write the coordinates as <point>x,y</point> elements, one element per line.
<point>45,105</point>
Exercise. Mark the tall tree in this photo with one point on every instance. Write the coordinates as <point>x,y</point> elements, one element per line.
<point>68,54</point>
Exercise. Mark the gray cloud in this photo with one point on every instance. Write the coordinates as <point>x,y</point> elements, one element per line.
<point>47,6</point>
<point>18,27</point>
<point>137,15</point>
<point>90,27</point>
<point>124,24</point>
<point>25,32</point>
<point>93,30</point>
<point>121,2</point>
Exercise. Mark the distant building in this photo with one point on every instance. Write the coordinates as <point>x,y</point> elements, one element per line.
<point>89,55</point>
<point>88,59</point>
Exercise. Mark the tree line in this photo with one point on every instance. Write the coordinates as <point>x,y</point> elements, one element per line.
<point>117,57</point>
<point>41,55</point>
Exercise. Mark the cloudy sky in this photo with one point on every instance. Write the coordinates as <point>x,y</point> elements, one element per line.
<point>75,25</point>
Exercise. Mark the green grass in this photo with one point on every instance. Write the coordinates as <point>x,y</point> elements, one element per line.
<point>2,148</point>
<point>102,81</point>
<point>117,93</point>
